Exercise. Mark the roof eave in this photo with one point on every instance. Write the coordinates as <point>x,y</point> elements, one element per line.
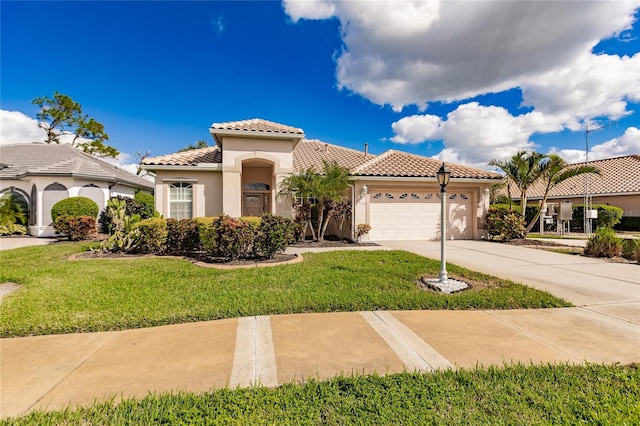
<point>215,167</point>
<point>424,179</point>
<point>217,135</point>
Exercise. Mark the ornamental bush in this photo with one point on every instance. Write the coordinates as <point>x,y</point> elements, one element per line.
<point>75,227</point>
<point>504,223</point>
<point>631,249</point>
<point>274,234</point>
<point>147,202</point>
<point>604,243</point>
<point>608,216</point>
<point>183,236</point>
<point>75,206</point>
<point>229,238</point>
<point>13,229</point>
<point>153,235</point>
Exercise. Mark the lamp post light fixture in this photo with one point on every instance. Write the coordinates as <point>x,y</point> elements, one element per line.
<point>444,175</point>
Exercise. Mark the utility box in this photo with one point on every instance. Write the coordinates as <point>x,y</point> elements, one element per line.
<point>566,210</point>
<point>592,214</point>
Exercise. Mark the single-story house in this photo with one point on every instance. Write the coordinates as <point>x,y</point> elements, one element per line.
<point>43,174</point>
<point>617,185</point>
<point>395,192</point>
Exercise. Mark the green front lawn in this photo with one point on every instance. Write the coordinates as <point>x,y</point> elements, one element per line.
<point>513,395</point>
<point>64,296</point>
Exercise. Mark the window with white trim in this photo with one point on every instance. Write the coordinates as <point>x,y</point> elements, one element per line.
<point>180,200</point>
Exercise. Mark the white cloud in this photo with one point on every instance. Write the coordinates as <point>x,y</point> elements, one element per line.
<point>475,134</point>
<point>416,52</point>
<point>627,144</point>
<point>16,127</point>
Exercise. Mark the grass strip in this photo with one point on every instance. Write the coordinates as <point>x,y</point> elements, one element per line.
<point>66,296</point>
<point>516,394</point>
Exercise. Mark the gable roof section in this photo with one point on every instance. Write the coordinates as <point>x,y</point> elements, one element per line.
<point>401,164</point>
<point>192,157</point>
<point>620,175</point>
<point>39,159</point>
<point>255,127</point>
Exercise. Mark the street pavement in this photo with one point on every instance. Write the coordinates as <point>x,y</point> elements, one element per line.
<point>58,371</point>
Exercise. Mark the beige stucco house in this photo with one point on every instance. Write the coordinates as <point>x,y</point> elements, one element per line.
<point>43,174</point>
<point>617,185</point>
<point>396,193</point>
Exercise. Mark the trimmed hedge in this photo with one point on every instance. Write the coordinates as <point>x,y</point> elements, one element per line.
<point>75,227</point>
<point>608,216</point>
<point>148,203</point>
<point>629,223</point>
<point>504,223</point>
<point>183,236</point>
<point>75,206</point>
<point>153,235</point>
<point>275,233</point>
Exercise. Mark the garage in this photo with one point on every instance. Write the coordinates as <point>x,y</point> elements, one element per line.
<point>415,215</point>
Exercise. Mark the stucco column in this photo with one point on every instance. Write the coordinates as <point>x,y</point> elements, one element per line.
<point>232,193</point>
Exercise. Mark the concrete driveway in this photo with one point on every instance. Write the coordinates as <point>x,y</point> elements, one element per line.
<point>8,243</point>
<point>596,284</point>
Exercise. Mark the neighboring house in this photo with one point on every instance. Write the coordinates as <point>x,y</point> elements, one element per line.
<point>396,193</point>
<point>43,174</point>
<point>618,185</point>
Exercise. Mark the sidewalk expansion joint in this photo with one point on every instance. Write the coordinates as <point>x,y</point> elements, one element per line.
<point>254,361</point>
<point>530,335</point>
<point>415,353</point>
<point>588,308</point>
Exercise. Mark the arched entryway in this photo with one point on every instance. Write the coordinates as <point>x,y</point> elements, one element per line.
<point>51,195</point>
<point>257,187</point>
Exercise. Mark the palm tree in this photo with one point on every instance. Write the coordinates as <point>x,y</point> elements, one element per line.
<point>330,191</point>
<point>523,169</point>
<point>301,189</point>
<point>555,171</point>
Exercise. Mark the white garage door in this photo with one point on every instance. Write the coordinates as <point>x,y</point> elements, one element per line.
<point>415,215</point>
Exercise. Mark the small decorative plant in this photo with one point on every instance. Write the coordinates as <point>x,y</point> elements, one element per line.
<point>361,230</point>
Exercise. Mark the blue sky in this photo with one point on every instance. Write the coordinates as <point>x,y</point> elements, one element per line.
<point>463,82</point>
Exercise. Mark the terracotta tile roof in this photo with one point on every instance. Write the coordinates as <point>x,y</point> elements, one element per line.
<point>257,125</point>
<point>310,153</point>
<point>620,175</point>
<point>401,164</point>
<point>193,157</point>
<point>40,159</point>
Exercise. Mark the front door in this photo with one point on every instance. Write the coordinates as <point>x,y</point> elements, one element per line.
<point>255,204</point>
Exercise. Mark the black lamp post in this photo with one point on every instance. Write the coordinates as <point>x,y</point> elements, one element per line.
<point>443,179</point>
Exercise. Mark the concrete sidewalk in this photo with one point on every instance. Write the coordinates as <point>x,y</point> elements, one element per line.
<point>53,372</point>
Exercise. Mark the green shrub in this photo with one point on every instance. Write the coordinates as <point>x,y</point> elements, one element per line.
<point>183,236</point>
<point>274,234</point>
<point>608,216</point>
<point>13,229</point>
<point>132,208</point>
<point>125,235</point>
<point>13,209</point>
<point>631,249</point>
<point>604,243</point>
<point>229,238</point>
<point>153,235</point>
<point>504,223</point>
<point>75,206</point>
<point>531,212</point>
<point>629,223</point>
<point>75,227</point>
<point>147,202</point>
